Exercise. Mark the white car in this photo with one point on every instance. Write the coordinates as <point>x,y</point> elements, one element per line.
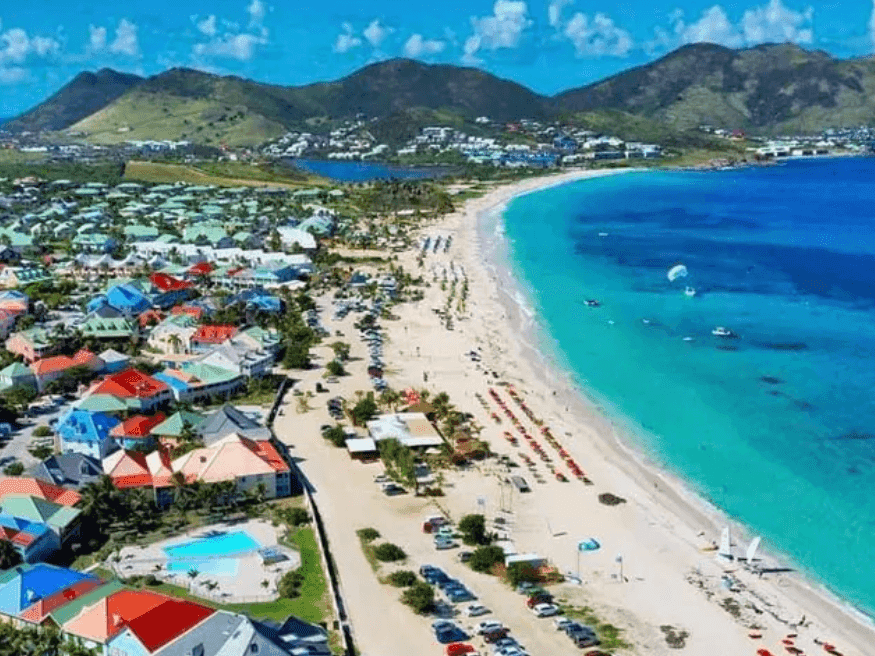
<point>561,622</point>
<point>476,610</point>
<point>487,626</point>
<point>444,543</point>
<point>545,610</point>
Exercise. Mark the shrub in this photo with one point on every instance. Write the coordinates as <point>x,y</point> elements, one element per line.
<point>522,573</point>
<point>402,578</point>
<point>335,368</point>
<point>368,534</point>
<point>298,517</point>
<point>420,597</point>
<point>335,435</point>
<point>473,529</point>
<point>609,499</point>
<point>388,552</point>
<point>42,431</point>
<point>151,579</point>
<point>14,469</point>
<point>485,558</point>
<point>290,584</point>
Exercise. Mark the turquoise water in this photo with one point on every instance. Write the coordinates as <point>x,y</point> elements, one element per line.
<point>211,554</point>
<point>776,427</point>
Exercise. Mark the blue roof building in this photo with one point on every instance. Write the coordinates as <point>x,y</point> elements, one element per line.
<point>127,299</point>
<point>87,432</point>
<point>23,586</point>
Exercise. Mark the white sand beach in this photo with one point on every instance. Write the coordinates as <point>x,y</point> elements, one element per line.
<point>669,580</point>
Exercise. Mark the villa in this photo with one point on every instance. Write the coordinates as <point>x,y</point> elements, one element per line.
<point>87,433</point>
<point>142,391</point>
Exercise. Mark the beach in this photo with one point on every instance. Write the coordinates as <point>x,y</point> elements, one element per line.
<point>659,540</point>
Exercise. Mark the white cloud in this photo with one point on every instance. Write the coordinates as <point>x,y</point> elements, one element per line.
<point>597,37</point>
<point>126,42</point>
<point>375,33</point>
<point>96,38</point>
<point>769,23</point>
<point>502,29</point>
<point>13,74</point>
<point>230,46</point>
<point>208,25</point>
<point>346,40</point>
<point>554,11</point>
<point>775,23</point>
<point>16,46</point>
<point>417,46</point>
<point>257,11</point>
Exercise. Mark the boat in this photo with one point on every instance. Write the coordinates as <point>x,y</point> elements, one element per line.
<point>591,302</point>
<point>720,331</point>
<point>690,291</point>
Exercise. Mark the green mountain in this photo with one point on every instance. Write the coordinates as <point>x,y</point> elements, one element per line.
<point>184,103</point>
<point>769,88</point>
<point>82,96</point>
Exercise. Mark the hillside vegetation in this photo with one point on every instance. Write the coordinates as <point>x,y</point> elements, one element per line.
<point>766,89</point>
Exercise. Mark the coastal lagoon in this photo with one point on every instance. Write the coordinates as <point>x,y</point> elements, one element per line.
<point>774,424</point>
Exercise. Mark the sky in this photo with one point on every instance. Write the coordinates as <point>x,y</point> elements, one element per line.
<point>547,45</point>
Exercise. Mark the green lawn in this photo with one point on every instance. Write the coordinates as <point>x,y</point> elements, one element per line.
<point>314,604</point>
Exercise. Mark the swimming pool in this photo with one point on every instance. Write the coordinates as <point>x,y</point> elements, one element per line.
<point>212,554</point>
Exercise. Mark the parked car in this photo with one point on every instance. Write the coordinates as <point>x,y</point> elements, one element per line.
<point>577,627</point>
<point>487,626</point>
<point>561,622</point>
<point>451,634</point>
<point>495,636</point>
<point>476,610</point>
<point>460,648</point>
<point>458,595</point>
<point>392,489</point>
<point>439,625</point>
<point>444,543</point>
<point>526,587</point>
<point>539,598</point>
<point>426,570</point>
<point>545,610</point>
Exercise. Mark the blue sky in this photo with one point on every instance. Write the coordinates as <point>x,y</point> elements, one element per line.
<point>548,45</point>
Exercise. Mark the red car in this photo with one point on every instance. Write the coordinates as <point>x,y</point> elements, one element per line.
<point>460,648</point>
<point>540,598</point>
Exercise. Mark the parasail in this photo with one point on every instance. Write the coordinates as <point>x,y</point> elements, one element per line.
<point>677,271</point>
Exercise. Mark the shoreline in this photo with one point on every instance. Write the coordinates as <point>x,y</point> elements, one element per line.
<point>674,495</point>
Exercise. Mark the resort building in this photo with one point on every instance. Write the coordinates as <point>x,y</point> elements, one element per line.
<point>249,463</point>
<point>412,429</point>
<point>69,470</point>
<point>88,433</point>
<point>141,391</point>
<point>29,593</point>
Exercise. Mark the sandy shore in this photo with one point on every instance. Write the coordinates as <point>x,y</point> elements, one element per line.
<point>661,532</point>
<point>668,579</point>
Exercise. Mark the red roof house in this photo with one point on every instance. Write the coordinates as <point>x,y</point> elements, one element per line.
<point>210,335</point>
<point>136,385</point>
<point>201,269</point>
<point>167,283</point>
<point>40,489</point>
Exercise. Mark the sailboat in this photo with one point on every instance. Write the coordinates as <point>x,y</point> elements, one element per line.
<point>690,291</point>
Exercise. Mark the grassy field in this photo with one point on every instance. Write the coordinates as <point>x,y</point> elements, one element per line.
<point>224,174</point>
<point>148,116</point>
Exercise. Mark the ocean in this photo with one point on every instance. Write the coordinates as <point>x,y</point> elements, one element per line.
<point>774,424</point>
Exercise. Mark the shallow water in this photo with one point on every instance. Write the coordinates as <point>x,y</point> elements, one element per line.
<point>776,426</point>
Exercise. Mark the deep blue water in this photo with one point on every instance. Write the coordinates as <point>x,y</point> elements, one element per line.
<point>776,427</point>
<point>352,171</point>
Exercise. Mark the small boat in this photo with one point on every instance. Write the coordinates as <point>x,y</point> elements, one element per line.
<point>689,339</point>
<point>690,291</point>
<point>591,302</point>
<point>720,331</point>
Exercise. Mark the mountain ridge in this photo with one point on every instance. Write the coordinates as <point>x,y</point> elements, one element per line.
<point>762,89</point>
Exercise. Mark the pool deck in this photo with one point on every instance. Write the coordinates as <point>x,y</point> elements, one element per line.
<point>245,586</point>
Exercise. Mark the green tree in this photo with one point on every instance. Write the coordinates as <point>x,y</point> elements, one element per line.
<point>364,410</point>
<point>341,351</point>
<point>18,398</point>
<point>485,558</point>
<point>473,529</point>
<point>420,597</point>
<point>518,573</point>
<point>9,556</point>
<point>402,578</point>
<point>336,435</point>
<point>400,463</point>
<point>335,368</point>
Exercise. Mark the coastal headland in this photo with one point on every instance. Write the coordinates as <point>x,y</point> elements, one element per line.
<point>656,576</point>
